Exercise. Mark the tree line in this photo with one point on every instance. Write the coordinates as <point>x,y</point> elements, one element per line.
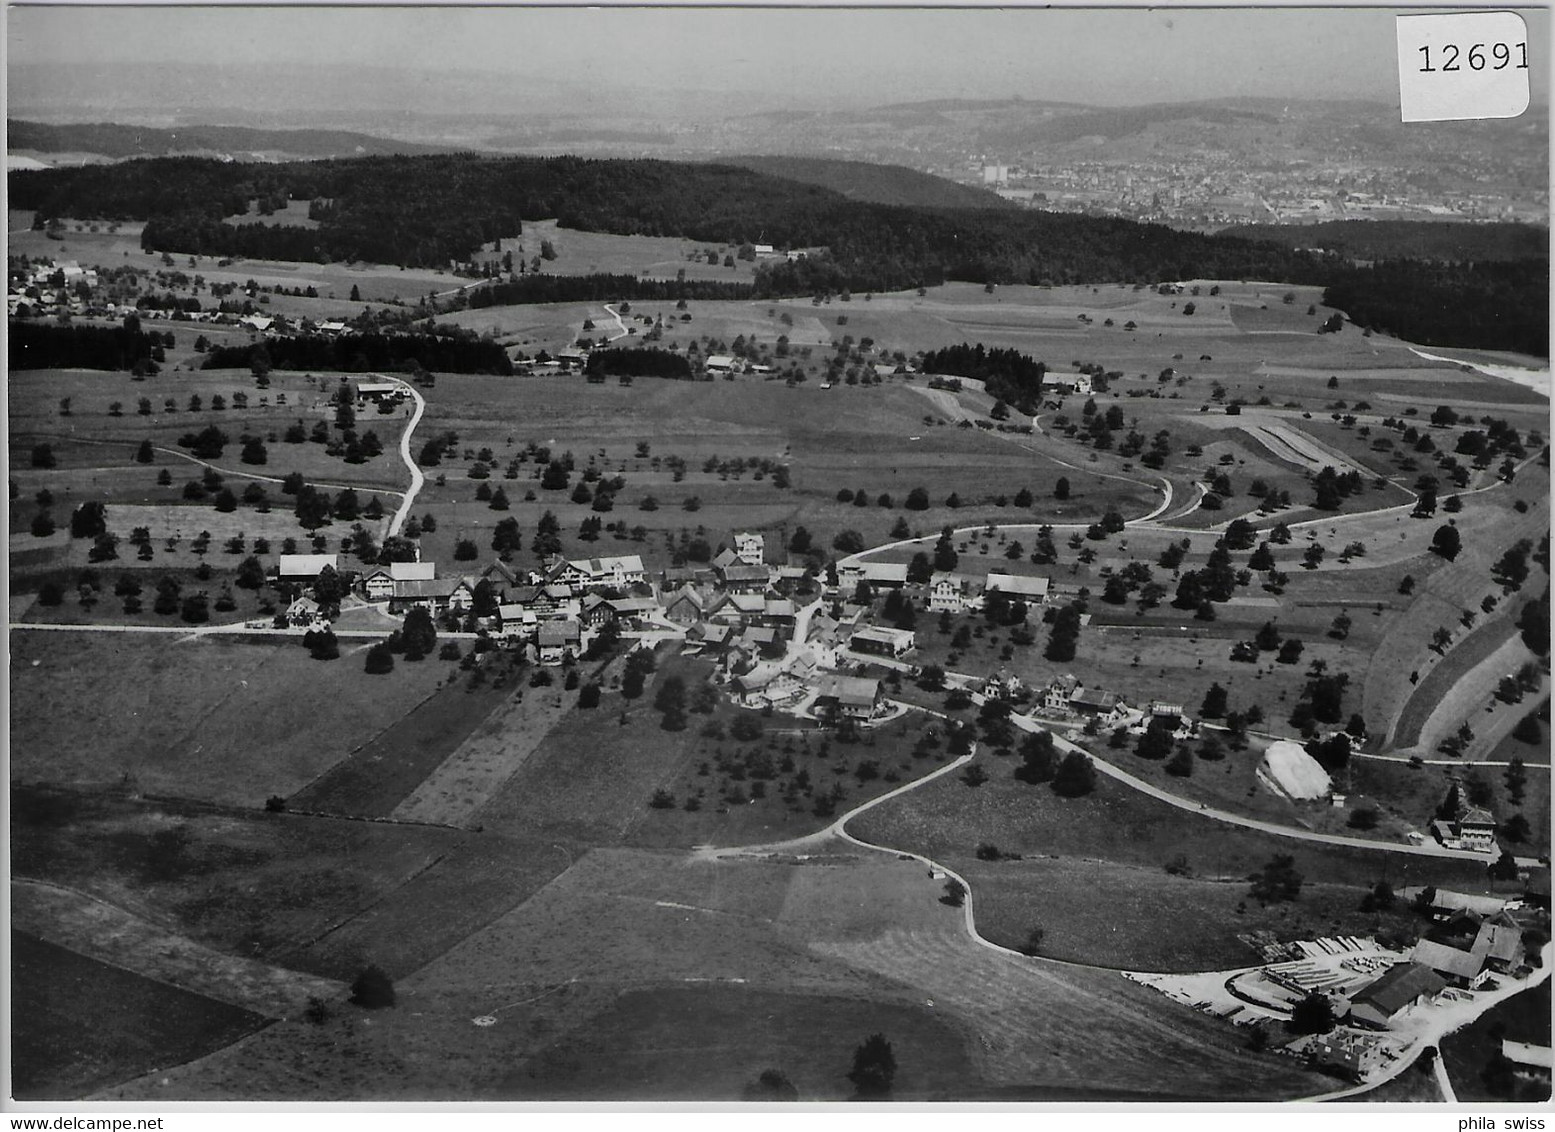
<point>1007,374</point>
<point>1486,305</point>
<point>537,288</point>
<point>430,210</point>
<point>45,346</point>
<point>358,353</point>
<point>638,363</point>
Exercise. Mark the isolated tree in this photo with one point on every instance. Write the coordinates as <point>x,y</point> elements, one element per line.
<point>1076,776</point>
<point>1061,488</point>
<point>88,520</point>
<point>1446,542</point>
<point>1215,703</point>
<point>372,988</point>
<point>418,633</point>
<point>874,1068</point>
<point>1276,881</point>
<point>1314,1014</point>
<point>379,660</point>
<point>771,1085</point>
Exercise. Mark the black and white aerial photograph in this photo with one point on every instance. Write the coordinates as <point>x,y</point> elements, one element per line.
<point>740,555</point>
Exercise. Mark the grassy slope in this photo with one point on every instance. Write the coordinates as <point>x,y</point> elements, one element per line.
<point>229,722</point>
<point>947,820</point>
<point>57,1056</point>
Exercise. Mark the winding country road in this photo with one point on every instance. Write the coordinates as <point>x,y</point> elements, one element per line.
<point>417,480</point>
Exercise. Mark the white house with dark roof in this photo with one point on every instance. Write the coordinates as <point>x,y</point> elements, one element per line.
<point>378,585</point>
<point>751,547</point>
<point>616,572</point>
<point>850,697</point>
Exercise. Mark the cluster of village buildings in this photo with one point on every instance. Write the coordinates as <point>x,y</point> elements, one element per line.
<point>1383,997</point>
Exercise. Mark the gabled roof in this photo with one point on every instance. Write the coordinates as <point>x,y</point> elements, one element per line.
<point>560,632</point>
<point>499,567</point>
<point>1499,938</point>
<point>1400,985</point>
<point>1446,960</point>
<point>685,593</point>
<point>1020,585</point>
<point>406,571</point>
<point>885,634</point>
<point>513,612</point>
<point>726,558</point>
<point>599,567</point>
<point>744,573</point>
<point>1476,816</point>
<point>1093,698</point>
<point>307,565</point>
<point>414,588</point>
<point>879,571</point>
<point>855,691</point>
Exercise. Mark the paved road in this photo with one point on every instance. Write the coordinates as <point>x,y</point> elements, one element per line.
<point>417,480</point>
<point>237,629</point>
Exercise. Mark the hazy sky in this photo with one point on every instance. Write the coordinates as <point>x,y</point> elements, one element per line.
<point>793,56</point>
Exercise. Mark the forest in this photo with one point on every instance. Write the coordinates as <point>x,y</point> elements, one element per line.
<point>36,345</point>
<point>1009,375</point>
<point>540,288</point>
<point>1490,305</point>
<point>1412,239</point>
<point>360,353</point>
<point>433,210</point>
<point>637,363</point>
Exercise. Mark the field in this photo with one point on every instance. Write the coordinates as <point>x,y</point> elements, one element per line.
<point>837,943</point>
<point>207,719</point>
<point>57,1057</point>
<point>555,936</point>
<point>1115,826</point>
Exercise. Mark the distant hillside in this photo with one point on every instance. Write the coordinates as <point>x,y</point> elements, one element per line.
<point>1455,241</point>
<point>113,140</point>
<point>1114,122</point>
<point>865,181</point>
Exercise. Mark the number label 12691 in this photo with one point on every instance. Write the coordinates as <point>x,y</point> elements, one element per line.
<point>1455,66</point>
<point>1452,57</point>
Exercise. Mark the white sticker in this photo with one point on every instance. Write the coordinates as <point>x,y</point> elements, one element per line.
<point>1462,65</point>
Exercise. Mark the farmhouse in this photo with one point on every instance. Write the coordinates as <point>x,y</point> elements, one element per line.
<point>1445,903</point>
<point>1031,590</point>
<point>1460,968</point>
<point>1108,707</point>
<point>558,640</point>
<point>379,392</point>
<point>750,547</point>
<point>1529,1061</point>
<point>721,363</point>
<point>893,574</point>
<point>949,593</point>
<point>1056,698</point>
<point>743,579</point>
<point>1400,987</point>
<point>685,606</point>
<point>849,697</point>
<point>379,584</point>
<point>594,573</point>
<point>881,641</point>
<point>1473,828</point>
<point>518,623</point>
<point>1077,383</point>
<point>434,594</point>
<point>299,567</point>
